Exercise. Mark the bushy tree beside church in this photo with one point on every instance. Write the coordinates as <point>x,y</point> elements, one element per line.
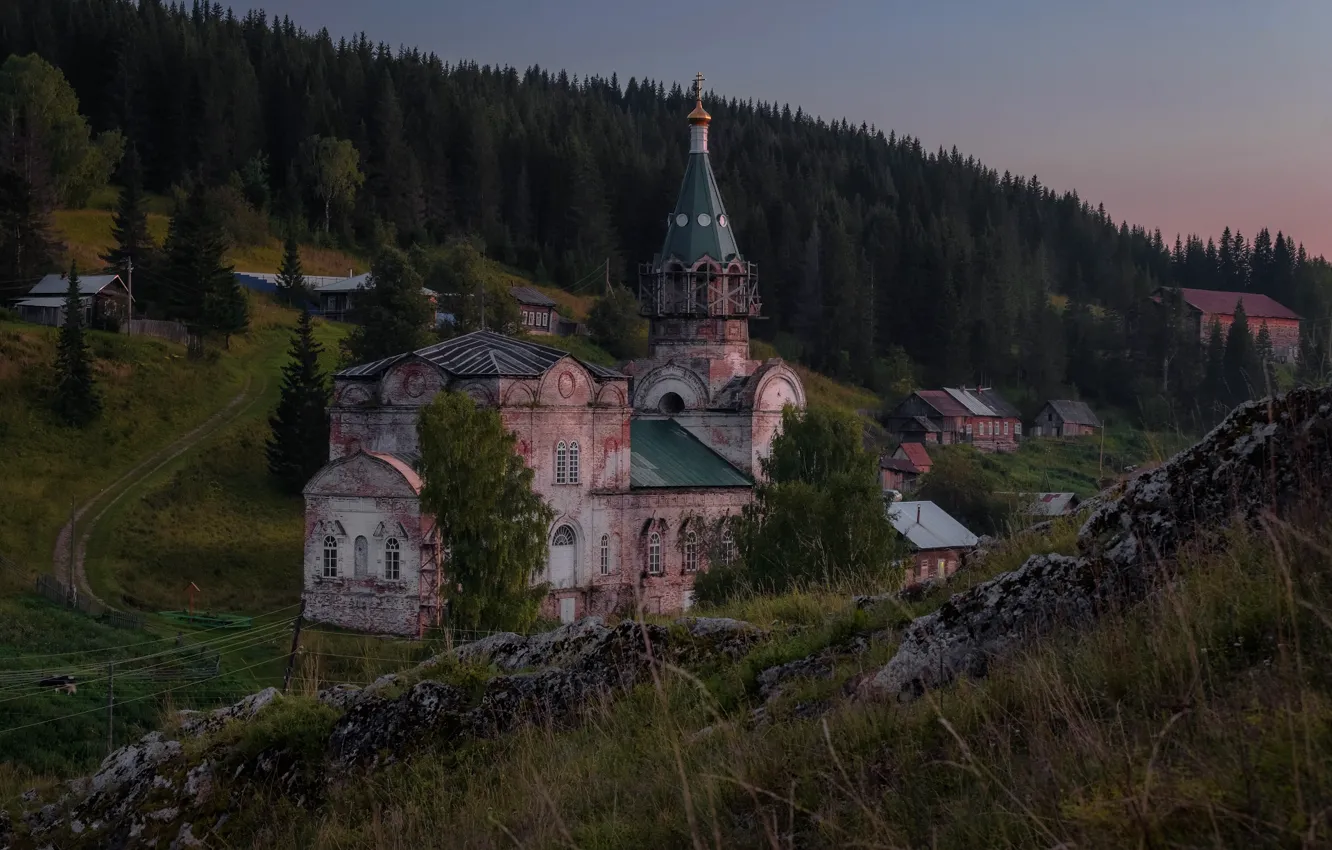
<point>298,447</point>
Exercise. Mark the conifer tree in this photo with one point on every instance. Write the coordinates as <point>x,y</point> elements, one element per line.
<point>76,400</point>
<point>129,225</point>
<point>27,243</point>
<point>1240,359</point>
<point>1264,354</point>
<point>392,314</point>
<point>291,280</point>
<point>199,284</point>
<point>298,446</point>
<point>1214,394</point>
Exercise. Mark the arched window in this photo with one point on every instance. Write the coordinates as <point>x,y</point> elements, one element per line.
<point>392,559</point>
<point>691,552</point>
<point>573,462</point>
<point>561,463</point>
<point>654,553</point>
<point>727,547</point>
<point>605,554</point>
<point>564,536</point>
<point>330,557</point>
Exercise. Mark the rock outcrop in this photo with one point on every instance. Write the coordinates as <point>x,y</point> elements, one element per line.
<point>1261,458</point>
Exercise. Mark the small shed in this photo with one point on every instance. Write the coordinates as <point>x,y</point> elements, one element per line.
<point>938,541</point>
<point>897,474</point>
<point>917,454</point>
<point>536,309</point>
<point>1053,504</point>
<point>103,298</point>
<point>1066,418</point>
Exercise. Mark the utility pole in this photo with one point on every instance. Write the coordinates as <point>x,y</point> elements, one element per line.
<point>608,275</point>
<point>110,706</point>
<point>295,643</point>
<point>69,575</point>
<point>129,283</point>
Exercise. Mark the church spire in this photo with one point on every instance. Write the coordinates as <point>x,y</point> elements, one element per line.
<point>699,226</point>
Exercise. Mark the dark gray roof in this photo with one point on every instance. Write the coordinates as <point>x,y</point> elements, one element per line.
<point>532,297</point>
<point>483,354</point>
<point>1075,412</point>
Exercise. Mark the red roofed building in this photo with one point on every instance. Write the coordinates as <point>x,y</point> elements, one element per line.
<point>957,415</point>
<point>1206,306</point>
<point>916,453</point>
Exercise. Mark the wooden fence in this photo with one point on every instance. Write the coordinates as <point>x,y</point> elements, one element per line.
<point>60,593</point>
<point>171,331</point>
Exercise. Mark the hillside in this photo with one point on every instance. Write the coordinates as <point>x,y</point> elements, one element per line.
<point>873,248</point>
<point>86,235</point>
<point>1195,714</point>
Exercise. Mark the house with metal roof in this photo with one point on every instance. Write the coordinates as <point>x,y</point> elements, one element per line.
<point>977,416</point>
<point>938,542</point>
<point>644,466</point>
<point>537,311</point>
<point>1065,418</point>
<point>104,299</point>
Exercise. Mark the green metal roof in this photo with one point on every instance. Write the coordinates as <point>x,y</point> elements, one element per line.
<point>706,230</point>
<point>665,455</point>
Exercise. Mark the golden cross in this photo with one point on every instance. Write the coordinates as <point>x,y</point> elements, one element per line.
<point>698,87</point>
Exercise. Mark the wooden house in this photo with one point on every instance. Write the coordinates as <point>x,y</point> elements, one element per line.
<point>104,299</point>
<point>938,542</point>
<point>898,474</point>
<point>1065,418</point>
<point>978,416</point>
<point>916,453</point>
<point>537,313</point>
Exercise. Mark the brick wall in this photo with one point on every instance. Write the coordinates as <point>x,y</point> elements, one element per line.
<point>1285,333</point>
<point>925,564</point>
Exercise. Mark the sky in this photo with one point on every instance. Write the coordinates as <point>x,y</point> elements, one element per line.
<point>1187,115</point>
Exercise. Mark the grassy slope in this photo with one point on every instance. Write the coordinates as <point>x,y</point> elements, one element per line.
<point>150,395</point>
<point>1200,718</point>
<point>87,234</point>
<point>1078,464</point>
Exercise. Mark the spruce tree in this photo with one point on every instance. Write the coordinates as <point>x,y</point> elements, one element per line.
<point>1240,359</point>
<point>129,225</point>
<point>27,243</point>
<point>76,400</point>
<point>290,279</point>
<point>298,446</point>
<point>201,286</point>
<point>391,313</point>
<point>1214,394</point>
<point>1265,356</point>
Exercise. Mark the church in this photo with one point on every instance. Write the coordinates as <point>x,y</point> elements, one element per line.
<point>644,466</point>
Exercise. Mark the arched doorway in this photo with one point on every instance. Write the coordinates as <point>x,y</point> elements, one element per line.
<point>362,562</point>
<point>563,551</point>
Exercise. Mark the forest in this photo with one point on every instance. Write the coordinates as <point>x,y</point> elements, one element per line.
<point>880,262</point>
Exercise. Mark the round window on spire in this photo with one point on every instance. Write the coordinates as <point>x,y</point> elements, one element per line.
<point>704,219</point>
<point>721,220</point>
<point>681,220</point>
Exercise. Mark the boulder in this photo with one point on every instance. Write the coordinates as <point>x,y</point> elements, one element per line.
<point>1261,458</point>
<point>200,723</point>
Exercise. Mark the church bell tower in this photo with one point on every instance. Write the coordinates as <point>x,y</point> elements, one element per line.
<point>699,293</point>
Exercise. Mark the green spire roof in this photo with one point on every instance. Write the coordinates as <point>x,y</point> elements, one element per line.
<point>699,225</point>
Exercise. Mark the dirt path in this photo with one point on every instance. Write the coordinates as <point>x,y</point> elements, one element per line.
<point>113,493</point>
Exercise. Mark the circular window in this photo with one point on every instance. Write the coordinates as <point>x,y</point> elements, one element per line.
<point>721,220</point>
<point>671,404</point>
<point>415,384</point>
<point>681,220</point>
<point>704,219</point>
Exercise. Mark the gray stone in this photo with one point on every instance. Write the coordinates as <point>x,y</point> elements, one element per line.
<point>196,723</point>
<point>1261,458</point>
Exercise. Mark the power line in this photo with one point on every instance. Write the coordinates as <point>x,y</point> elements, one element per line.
<point>140,643</point>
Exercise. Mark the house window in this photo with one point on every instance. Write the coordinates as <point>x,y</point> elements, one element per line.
<point>392,559</point>
<point>654,553</point>
<point>561,463</point>
<point>942,564</point>
<point>330,557</point>
<point>573,462</point>
<point>1005,429</point>
<point>691,552</point>
<point>545,320</point>
<point>1017,429</point>
<point>727,547</point>
<point>605,554</point>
